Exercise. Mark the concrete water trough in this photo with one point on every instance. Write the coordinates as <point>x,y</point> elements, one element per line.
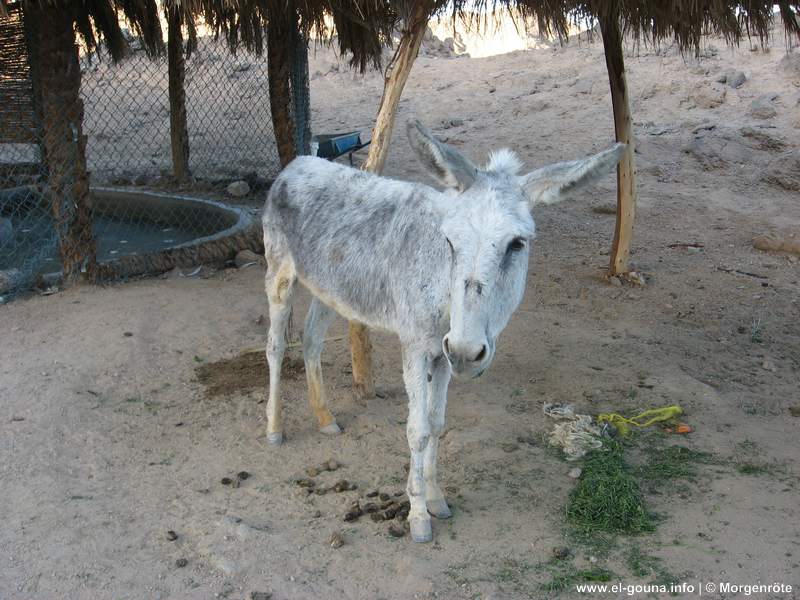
<point>137,232</point>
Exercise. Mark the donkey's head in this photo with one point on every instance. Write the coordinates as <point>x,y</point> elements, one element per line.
<point>488,227</point>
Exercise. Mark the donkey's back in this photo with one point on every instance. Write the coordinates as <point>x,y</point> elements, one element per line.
<point>356,240</point>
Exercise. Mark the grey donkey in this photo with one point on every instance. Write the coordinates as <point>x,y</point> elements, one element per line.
<point>444,270</point>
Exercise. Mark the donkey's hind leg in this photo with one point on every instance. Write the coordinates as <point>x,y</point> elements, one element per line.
<point>279,284</point>
<point>318,320</point>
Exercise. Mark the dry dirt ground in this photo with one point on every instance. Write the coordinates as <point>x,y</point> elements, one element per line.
<point>108,439</point>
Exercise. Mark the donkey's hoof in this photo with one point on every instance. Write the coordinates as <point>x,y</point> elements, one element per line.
<point>275,439</point>
<point>332,429</point>
<point>439,509</point>
<point>421,530</point>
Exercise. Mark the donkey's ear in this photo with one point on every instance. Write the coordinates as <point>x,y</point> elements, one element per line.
<point>446,164</point>
<point>555,182</point>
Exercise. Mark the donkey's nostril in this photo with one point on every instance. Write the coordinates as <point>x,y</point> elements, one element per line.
<point>481,354</point>
<point>446,345</point>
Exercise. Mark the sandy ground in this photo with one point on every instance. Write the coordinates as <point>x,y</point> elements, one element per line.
<point>108,440</point>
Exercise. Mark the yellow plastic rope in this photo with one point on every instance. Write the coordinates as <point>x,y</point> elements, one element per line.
<point>644,419</point>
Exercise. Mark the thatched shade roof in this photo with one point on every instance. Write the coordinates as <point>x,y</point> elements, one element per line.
<point>652,21</point>
<point>362,27</point>
<point>686,21</point>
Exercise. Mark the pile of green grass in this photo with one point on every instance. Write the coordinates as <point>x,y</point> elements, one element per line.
<point>672,462</point>
<point>607,497</point>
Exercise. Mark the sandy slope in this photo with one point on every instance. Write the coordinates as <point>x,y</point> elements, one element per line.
<point>107,441</point>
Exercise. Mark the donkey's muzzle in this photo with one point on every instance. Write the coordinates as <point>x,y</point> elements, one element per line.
<point>467,359</point>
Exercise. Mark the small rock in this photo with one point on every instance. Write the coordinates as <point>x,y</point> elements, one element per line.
<point>341,486</point>
<point>372,493</point>
<point>238,189</point>
<point>561,552</point>
<point>312,471</point>
<point>509,447</point>
<point>615,281</point>
<point>369,507</point>
<point>350,516</point>
<point>332,465</point>
<point>396,530</point>
<point>768,365</point>
<point>181,562</point>
<point>576,472</point>
<point>377,517</point>
<point>337,540</point>
<point>762,107</point>
<point>387,503</point>
<point>736,79</point>
<point>355,507</point>
<point>259,596</point>
<point>708,97</point>
<point>790,65</point>
<point>384,497</point>
<point>246,258</point>
<point>171,535</point>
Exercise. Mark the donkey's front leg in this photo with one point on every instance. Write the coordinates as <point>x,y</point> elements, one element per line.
<point>415,372</point>
<point>438,378</point>
<point>279,285</point>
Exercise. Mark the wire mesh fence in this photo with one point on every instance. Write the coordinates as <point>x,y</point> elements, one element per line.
<point>127,115</point>
<point>70,120</point>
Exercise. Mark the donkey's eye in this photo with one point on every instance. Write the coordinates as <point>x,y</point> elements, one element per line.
<point>516,244</point>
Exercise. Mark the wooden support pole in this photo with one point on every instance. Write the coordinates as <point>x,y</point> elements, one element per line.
<point>623,126</point>
<point>178,129</point>
<point>397,73</point>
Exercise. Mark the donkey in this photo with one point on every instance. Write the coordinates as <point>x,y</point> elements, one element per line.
<point>442,270</point>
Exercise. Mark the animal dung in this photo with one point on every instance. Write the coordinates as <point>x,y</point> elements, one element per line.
<point>350,516</point>
<point>336,540</point>
<point>396,530</point>
<point>171,536</point>
<point>181,562</point>
<point>341,486</point>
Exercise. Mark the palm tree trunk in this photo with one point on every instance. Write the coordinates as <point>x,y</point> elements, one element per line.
<point>178,130</point>
<point>301,100</point>
<point>623,125</point>
<point>396,76</point>
<point>58,83</point>
<point>279,36</point>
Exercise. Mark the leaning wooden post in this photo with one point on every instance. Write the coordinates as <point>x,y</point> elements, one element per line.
<point>178,130</point>
<point>623,125</point>
<point>394,81</point>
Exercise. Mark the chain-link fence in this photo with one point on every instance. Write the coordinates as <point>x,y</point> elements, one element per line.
<point>127,116</point>
<point>68,119</point>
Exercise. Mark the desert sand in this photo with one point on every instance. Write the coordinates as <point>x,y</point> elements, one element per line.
<point>108,440</point>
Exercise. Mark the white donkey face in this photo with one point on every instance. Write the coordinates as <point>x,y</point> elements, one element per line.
<point>489,229</point>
